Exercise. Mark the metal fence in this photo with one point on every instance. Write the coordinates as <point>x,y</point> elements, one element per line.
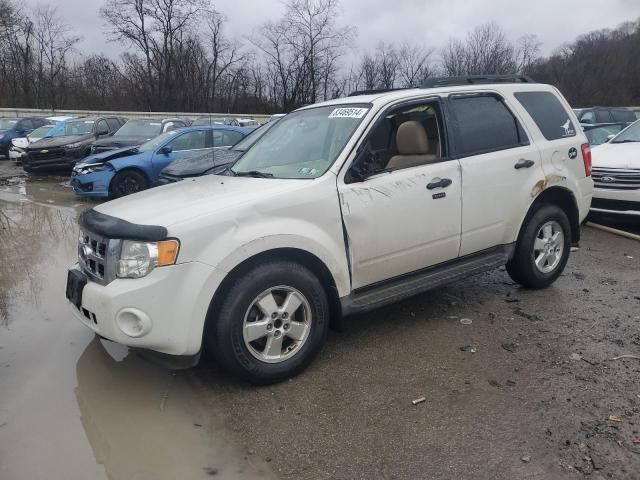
<point>35,112</point>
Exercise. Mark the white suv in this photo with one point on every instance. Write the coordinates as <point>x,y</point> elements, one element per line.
<point>340,208</point>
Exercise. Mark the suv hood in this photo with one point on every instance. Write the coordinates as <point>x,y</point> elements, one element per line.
<point>616,155</point>
<point>122,141</point>
<point>60,141</point>
<point>193,166</point>
<point>181,201</point>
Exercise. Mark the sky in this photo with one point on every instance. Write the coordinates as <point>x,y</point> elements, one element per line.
<point>429,22</point>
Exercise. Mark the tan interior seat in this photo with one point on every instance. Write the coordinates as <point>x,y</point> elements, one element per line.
<point>413,146</point>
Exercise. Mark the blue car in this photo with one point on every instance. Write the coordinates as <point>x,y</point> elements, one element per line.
<point>124,171</point>
<point>15,127</point>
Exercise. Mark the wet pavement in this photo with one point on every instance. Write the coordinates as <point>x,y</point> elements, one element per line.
<point>528,390</point>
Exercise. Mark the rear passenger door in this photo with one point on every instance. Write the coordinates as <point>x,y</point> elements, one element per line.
<point>500,169</point>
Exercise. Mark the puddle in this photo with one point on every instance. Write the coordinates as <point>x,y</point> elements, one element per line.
<point>75,407</point>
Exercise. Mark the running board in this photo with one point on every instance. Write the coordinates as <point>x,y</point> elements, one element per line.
<point>399,288</point>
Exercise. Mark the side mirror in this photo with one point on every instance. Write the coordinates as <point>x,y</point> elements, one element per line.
<point>166,150</point>
<point>100,133</point>
<point>363,166</point>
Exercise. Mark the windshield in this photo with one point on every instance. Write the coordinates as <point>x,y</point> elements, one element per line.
<point>599,135</point>
<point>78,127</point>
<point>304,144</point>
<point>41,132</point>
<point>244,144</point>
<point>154,143</point>
<point>7,123</point>
<point>139,128</point>
<point>629,134</point>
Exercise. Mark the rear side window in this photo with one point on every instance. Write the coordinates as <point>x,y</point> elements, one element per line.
<point>603,116</point>
<point>622,115</point>
<point>485,124</point>
<point>550,116</point>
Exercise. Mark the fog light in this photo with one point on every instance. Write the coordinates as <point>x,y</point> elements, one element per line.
<point>133,322</point>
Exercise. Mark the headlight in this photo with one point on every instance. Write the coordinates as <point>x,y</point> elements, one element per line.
<point>138,259</point>
<point>88,168</point>
<point>73,145</point>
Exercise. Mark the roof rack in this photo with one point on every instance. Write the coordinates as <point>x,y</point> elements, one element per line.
<point>474,79</point>
<point>374,91</point>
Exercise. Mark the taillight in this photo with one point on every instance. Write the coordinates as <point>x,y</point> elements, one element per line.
<point>586,158</point>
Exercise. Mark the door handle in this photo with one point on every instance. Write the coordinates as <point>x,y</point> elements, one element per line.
<point>524,163</point>
<point>439,183</point>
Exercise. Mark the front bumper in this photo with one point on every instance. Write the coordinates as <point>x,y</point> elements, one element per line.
<point>65,161</point>
<point>94,184</point>
<point>618,202</point>
<point>16,153</point>
<point>173,301</point>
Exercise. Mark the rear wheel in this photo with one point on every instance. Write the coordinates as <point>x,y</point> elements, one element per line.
<point>271,323</point>
<point>542,249</point>
<point>127,182</point>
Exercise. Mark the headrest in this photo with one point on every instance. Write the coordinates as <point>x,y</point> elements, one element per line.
<point>411,139</point>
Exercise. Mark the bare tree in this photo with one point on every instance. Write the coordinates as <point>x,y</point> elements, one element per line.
<point>413,64</point>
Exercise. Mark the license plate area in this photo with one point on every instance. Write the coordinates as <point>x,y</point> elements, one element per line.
<point>76,280</point>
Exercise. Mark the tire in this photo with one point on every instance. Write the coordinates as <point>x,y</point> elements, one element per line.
<point>240,318</point>
<point>548,225</point>
<point>127,182</point>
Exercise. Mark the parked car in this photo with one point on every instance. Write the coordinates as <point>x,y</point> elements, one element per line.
<point>129,170</point>
<point>18,145</point>
<point>210,120</point>
<point>602,133</point>
<point>16,127</point>
<point>54,128</point>
<point>616,174</point>
<point>342,207</point>
<point>211,162</point>
<point>136,132</point>
<point>72,146</point>
<point>597,115</point>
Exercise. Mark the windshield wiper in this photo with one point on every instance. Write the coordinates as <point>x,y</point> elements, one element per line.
<point>627,141</point>
<point>251,173</point>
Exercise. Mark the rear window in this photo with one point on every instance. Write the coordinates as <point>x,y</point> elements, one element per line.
<point>485,124</point>
<point>622,115</point>
<point>548,113</point>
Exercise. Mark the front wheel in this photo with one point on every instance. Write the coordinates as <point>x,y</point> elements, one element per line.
<point>126,183</point>
<point>542,249</point>
<point>272,322</point>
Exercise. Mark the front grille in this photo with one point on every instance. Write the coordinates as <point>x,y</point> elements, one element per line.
<point>617,205</point>
<point>97,256</point>
<point>46,153</point>
<point>616,178</point>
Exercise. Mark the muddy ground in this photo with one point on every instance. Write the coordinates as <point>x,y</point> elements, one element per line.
<point>530,389</point>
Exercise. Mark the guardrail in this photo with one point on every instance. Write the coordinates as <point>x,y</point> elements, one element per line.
<point>36,112</point>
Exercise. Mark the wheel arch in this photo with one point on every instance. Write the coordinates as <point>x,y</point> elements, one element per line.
<point>303,257</point>
<point>562,198</point>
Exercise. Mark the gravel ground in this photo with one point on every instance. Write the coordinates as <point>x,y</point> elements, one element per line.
<point>529,389</point>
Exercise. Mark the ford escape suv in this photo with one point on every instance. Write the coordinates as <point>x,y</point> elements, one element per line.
<point>340,208</point>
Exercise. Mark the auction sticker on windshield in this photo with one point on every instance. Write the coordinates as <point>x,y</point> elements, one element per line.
<point>351,112</point>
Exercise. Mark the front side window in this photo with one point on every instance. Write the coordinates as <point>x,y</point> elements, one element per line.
<point>103,128</point>
<point>190,141</point>
<point>631,134</point>
<point>403,137</point>
<point>485,124</point>
<point>304,144</point>
<point>549,115</point>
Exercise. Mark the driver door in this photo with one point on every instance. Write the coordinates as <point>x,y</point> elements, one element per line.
<point>182,145</point>
<point>408,216</point>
